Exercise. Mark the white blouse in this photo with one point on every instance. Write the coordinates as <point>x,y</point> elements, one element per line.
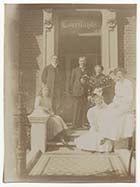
<point>123,92</point>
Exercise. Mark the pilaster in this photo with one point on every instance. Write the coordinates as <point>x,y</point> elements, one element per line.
<point>109,40</point>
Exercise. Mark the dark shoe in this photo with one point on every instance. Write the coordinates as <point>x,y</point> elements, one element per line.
<point>93,151</point>
<point>67,138</point>
<point>112,150</point>
<point>102,141</point>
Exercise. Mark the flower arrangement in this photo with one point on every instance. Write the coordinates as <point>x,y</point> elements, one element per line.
<point>102,82</point>
<point>96,84</point>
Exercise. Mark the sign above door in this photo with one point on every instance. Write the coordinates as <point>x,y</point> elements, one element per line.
<point>77,25</point>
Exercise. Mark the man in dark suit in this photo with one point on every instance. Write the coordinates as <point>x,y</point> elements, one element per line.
<point>79,92</point>
<point>52,76</point>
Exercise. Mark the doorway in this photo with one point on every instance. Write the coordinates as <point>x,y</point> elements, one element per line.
<point>78,36</point>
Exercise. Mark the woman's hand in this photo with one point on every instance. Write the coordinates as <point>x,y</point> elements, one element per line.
<point>98,91</point>
<point>114,104</point>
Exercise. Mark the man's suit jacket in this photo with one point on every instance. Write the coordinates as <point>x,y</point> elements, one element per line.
<point>76,87</point>
<point>49,78</point>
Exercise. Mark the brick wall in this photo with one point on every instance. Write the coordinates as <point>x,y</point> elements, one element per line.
<point>127,44</point>
<point>31,42</point>
<point>130,46</point>
<point>127,41</point>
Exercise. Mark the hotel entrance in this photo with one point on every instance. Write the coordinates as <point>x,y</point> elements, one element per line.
<point>79,35</point>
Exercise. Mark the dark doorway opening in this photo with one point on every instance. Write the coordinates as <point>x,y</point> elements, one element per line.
<point>73,44</point>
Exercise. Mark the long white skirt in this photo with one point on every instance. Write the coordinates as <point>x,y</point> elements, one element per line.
<point>118,123</point>
<point>90,141</point>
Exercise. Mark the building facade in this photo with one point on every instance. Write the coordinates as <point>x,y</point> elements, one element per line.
<point>104,34</point>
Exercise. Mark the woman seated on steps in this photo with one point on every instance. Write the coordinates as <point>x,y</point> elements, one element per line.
<point>56,127</point>
<point>91,140</point>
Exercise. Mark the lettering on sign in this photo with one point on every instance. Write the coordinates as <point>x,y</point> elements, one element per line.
<point>80,25</point>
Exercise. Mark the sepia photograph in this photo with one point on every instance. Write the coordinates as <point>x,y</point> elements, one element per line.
<point>70,93</point>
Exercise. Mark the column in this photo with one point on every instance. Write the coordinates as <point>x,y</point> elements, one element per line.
<point>48,36</point>
<point>113,40</point>
<point>15,152</point>
<point>109,40</point>
<point>20,116</point>
<point>104,41</point>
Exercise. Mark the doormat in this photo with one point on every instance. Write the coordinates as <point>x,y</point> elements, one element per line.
<point>79,165</point>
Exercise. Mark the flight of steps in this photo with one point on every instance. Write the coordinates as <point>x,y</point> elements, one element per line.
<point>73,133</point>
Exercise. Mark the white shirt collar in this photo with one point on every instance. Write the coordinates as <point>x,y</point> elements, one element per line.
<point>54,65</point>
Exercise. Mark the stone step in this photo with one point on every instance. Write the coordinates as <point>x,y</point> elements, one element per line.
<point>121,144</point>
<point>76,132</point>
<point>71,143</point>
<point>72,133</point>
<point>69,124</point>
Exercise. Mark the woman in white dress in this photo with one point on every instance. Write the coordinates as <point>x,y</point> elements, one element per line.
<point>90,141</point>
<point>119,119</point>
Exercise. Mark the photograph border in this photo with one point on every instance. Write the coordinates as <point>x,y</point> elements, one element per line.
<point>137,90</point>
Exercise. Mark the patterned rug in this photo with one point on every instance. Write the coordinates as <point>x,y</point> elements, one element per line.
<point>104,165</point>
